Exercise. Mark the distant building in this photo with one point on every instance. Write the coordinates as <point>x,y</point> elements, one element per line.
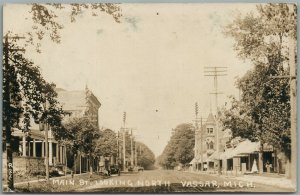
<point>31,145</point>
<point>82,103</point>
<point>208,145</point>
<point>220,152</point>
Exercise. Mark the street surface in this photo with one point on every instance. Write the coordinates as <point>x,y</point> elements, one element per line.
<point>173,181</point>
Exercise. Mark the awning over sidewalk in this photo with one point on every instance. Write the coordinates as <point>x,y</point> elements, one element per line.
<point>242,149</point>
<point>246,147</point>
<point>216,156</point>
<point>227,154</point>
<point>205,159</point>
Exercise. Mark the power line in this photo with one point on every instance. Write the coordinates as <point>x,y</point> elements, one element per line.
<point>215,72</point>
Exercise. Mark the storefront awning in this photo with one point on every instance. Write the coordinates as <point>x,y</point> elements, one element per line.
<point>242,149</point>
<point>246,147</point>
<point>216,156</point>
<point>227,154</point>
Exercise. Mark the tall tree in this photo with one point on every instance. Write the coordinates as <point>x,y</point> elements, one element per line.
<point>82,135</point>
<point>179,149</point>
<point>45,19</point>
<point>264,109</point>
<point>106,145</point>
<point>24,94</point>
<point>145,156</point>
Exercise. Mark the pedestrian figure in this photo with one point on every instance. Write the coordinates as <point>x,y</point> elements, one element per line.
<point>254,167</point>
<point>268,166</point>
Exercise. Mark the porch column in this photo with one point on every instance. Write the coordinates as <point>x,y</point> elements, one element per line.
<point>225,166</point>
<point>57,155</point>
<point>29,148</point>
<point>43,149</point>
<point>65,156</point>
<point>60,154</point>
<point>34,148</point>
<point>79,163</point>
<point>249,163</point>
<point>24,145</point>
<point>50,153</point>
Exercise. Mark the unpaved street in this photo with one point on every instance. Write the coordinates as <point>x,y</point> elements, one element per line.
<point>173,181</point>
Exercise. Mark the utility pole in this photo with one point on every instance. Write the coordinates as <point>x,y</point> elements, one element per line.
<point>216,72</point>
<point>46,152</point>
<point>197,152</point>
<point>293,102</point>
<point>6,87</point>
<point>117,148</point>
<point>124,139</point>
<point>135,153</point>
<point>131,149</point>
<point>46,142</point>
<point>201,140</point>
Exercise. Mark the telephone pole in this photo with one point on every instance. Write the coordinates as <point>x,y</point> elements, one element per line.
<point>198,146</point>
<point>135,152</point>
<point>124,139</point>
<point>131,148</point>
<point>215,72</point>
<point>293,100</point>
<point>7,113</point>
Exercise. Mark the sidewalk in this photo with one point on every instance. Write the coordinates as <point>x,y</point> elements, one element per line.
<point>39,180</point>
<point>273,180</point>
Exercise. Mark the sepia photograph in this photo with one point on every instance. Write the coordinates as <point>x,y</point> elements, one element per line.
<point>149,97</point>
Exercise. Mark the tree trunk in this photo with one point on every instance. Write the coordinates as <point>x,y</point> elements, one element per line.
<point>288,168</point>
<point>91,164</point>
<point>75,164</point>
<point>260,161</point>
<point>10,170</point>
<point>79,162</point>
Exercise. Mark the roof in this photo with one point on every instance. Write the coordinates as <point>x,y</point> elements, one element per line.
<point>205,158</point>
<point>242,149</point>
<point>215,156</point>
<point>210,119</point>
<point>72,100</point>
<point>247,147</point>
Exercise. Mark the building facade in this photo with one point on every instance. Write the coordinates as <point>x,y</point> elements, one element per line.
<point>82,103</point>
<point>31,148</point>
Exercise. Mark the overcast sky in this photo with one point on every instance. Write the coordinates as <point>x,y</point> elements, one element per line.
<point>150,65</point>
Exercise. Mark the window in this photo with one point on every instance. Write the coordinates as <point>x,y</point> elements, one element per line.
<point>210,130</point>
<point>210,145</point>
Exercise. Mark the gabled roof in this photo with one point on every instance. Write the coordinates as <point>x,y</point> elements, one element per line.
<point>210,119</point>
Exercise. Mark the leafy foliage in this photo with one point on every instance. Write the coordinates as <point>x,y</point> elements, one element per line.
<point>45,19</point>
<point>263,113</point>
<point>106,145</point>
<point>82,135</point>
<point>179,149</point>
<point>145,156</point>
<point>27,94</point>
